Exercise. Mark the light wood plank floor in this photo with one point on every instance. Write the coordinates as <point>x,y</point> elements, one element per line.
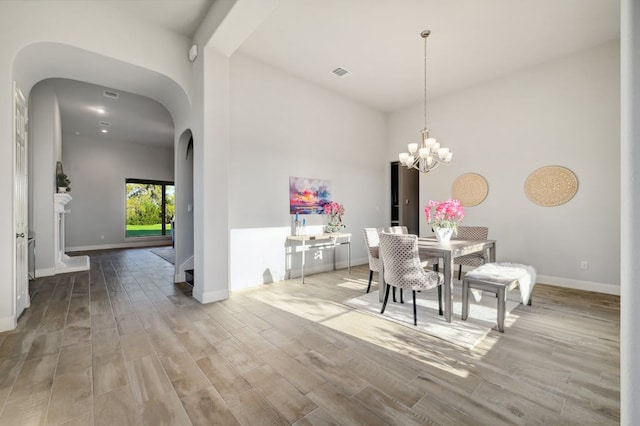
<point>121,344</point>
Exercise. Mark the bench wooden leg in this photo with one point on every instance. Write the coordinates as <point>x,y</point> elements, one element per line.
<point>465,299</point>
<point>501,308</point>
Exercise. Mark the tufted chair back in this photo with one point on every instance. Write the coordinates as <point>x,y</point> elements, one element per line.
<point>403,269</point>
<point>472,233</point>
<point>402,266</point>
<point>398,230</point>
<point>474,259</point>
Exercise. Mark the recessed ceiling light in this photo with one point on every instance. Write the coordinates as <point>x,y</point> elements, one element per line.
<point>104,131</point>
<point>99,110</point>
<point>104,123</point>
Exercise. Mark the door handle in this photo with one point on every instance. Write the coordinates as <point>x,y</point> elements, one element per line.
<point>21,235</point>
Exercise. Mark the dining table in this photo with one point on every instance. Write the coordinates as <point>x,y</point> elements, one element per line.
<point>429,247</point>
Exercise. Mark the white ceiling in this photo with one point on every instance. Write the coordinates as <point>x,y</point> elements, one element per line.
<point>179,16</point>
<point>379,41</point>
<point>472,41</point>
<point>133,118</point>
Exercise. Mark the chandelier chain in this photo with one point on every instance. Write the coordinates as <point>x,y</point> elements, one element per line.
<point>425,80</point>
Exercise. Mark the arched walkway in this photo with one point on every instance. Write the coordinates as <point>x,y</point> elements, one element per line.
<point>44,60</point>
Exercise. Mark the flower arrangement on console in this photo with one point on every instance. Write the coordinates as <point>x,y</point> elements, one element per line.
<point>444,217</point>
<point>336,210</point>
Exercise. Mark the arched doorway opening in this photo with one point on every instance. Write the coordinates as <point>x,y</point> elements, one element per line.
<point>44,60</point>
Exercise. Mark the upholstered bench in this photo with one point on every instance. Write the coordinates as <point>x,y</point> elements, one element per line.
<point>499,279</point>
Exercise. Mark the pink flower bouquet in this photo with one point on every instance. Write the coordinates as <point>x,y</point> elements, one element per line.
<point>336,210</point>
<point>446,214</point>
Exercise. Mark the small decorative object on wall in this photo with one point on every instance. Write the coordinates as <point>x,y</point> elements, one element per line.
<point>308,196</point>
<point>551,186</point>
<point>336,210</point>
<point>444,218</point>
<point>470,188</point>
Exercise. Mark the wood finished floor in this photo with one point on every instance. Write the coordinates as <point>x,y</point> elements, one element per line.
<point>122,345</point>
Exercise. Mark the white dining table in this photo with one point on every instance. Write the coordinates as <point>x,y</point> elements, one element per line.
<point>429,247</point>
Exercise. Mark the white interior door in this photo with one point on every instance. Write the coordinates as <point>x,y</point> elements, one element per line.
<point>20,203</point>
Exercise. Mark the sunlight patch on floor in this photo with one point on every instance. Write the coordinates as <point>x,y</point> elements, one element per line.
<point>339,317</point>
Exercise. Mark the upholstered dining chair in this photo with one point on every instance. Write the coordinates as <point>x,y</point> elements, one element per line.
<point>402,268</point>
<point>372,241</point>
<point>474,259</point>
<point>430,261</point>
<point>404,230</point>
<point>398,229</point>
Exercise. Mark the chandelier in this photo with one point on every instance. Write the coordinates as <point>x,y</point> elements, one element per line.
<point>427,155</point>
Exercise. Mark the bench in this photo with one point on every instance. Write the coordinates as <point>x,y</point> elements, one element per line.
<point>498,279</point>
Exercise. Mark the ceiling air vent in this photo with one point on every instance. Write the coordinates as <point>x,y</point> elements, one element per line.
<point>341,72</point>
<point>111,94</point>
<point>104,123</point>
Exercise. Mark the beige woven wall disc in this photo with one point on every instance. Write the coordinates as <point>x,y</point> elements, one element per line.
<point>551,186</point>
<point>470,188</point>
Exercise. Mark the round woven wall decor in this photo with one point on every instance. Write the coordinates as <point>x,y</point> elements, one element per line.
<point>551,186</point>
<point>470,188</point>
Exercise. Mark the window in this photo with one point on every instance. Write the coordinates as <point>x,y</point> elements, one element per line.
<point>150,207</point>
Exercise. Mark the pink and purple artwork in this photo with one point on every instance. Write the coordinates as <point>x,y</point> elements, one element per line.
<point>308,196</point>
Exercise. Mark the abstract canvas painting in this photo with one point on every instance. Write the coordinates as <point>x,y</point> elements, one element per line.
<point>308,196</point>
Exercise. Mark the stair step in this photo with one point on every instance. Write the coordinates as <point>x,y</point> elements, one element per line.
<point>188,274</point>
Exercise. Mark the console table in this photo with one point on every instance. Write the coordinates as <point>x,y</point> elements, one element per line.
<point>323,241</point>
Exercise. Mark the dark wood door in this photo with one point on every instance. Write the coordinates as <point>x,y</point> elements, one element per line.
<point>405,197</point>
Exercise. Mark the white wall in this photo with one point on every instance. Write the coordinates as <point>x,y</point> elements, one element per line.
<point>45,139</point>
<point>282,126</point>
<point>630,220</point>
<point>566,113</point>
<point>210,173</point>
<point>98,169</point>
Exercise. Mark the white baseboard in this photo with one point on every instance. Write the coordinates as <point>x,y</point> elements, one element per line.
<point>579,284</point>
<point>45,272</point>
<point>324,267</point>
<point>8,323</point>
<point>73,264</point>
<point>211,296</point>
<point>605,288</point>
<point>354,262</point>
<point>133,244</point>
